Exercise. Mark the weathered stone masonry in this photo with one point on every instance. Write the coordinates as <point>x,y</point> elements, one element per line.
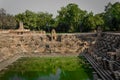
<point>105,55</point>
<point>37,43</point>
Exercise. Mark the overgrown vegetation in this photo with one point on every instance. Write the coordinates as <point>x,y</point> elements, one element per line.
<point>70,19</point>
<point>70,68</point>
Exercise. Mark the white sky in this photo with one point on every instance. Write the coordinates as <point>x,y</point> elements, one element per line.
<point>51,6</point>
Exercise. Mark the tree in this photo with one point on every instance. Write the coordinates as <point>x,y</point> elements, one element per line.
<point>70,17</point>
<point>99,21</point>
<point>35,21</point>
<point>61,20</point>
<point>88,22</point>
<point>44,21</point>
<point>112,16</point>
<point>29,19</point>
<point>91,22</point>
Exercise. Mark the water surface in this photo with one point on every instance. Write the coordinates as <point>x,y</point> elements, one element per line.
<point>47,68</point>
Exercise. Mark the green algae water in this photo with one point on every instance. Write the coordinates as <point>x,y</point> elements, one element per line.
<point>47,68</point>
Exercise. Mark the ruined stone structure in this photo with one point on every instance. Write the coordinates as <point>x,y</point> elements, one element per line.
<point>21,30</point>
<point>53,35</point>
<point>23,41</point>
<point>102,50</point>
<point>104,55</point>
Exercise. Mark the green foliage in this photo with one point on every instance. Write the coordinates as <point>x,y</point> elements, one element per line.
<point>35,21</point>
<point>69,18</point>
<point>44,21</point>
<point>91,22</point>
<point>112,16</point>
<point>72,19</point>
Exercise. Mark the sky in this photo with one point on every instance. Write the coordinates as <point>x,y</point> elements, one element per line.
<point>51,6</point>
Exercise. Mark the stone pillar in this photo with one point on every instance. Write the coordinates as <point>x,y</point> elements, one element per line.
<point>105,64</point>
<point>111,66</point>
<point>21,26</point>
<point>95,57</point>
<point>99,60</point>
<point>44,36</point>
<point>95,76</point>
<point>117,75</point>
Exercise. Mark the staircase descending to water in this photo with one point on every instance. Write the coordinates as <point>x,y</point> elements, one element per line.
<point>104,56</point>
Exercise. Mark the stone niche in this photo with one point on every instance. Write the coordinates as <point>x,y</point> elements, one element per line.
<point>53,35</point>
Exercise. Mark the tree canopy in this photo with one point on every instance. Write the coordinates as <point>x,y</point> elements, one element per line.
<point>69,19</point>
<point>112,16</point>
<point>34,21</point>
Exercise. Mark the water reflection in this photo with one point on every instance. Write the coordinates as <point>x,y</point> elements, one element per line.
<point>51,76</point>
<point>16,77</point>
<point>47,69</point>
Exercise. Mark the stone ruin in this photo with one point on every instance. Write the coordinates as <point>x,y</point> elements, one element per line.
<point>40,43</point>
<point>20,30</point>
<point>53,35</point>
<point>106,53</point>
<point>103,48</point>
<point>26,42</point>
<point>21,26</point>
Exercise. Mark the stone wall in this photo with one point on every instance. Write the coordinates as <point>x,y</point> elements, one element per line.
<point>106,53</point>
<point>35,43</point>
<point>106,44</point>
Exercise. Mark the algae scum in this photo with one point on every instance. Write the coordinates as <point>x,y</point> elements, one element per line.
<point>47,68</point>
